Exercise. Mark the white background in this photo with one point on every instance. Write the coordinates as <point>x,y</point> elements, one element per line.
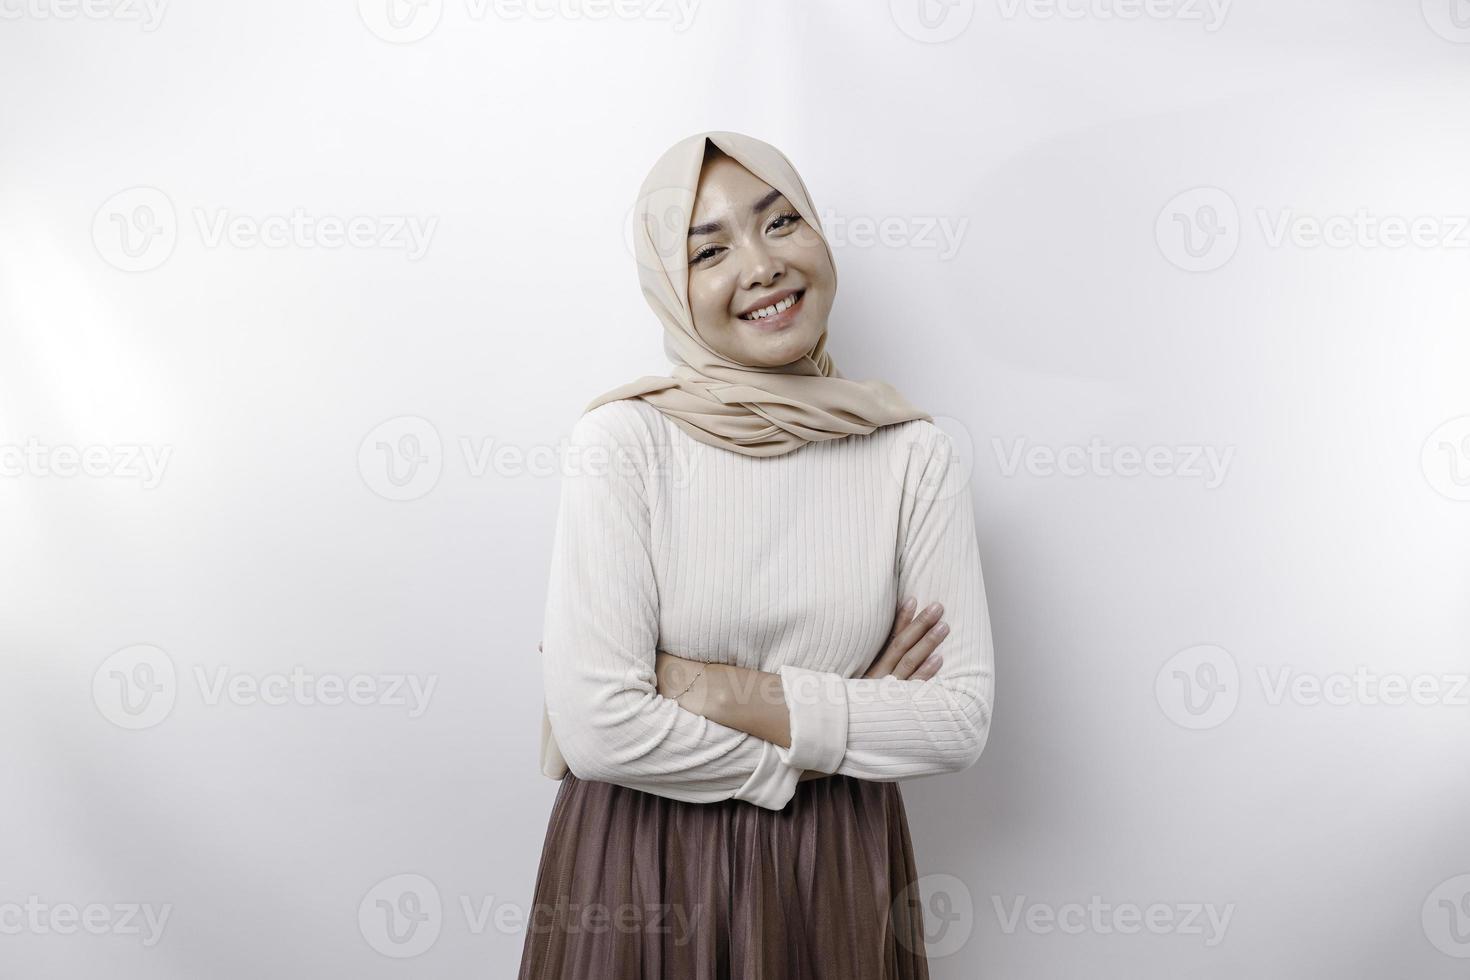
<point>1072,148</point>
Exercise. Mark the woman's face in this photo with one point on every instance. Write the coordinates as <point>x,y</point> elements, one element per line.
<point>750,250</point>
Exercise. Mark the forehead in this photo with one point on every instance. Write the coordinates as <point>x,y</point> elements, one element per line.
<point>725,186</point>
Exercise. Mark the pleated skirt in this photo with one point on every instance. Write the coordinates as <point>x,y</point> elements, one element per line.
<point>636,886</point>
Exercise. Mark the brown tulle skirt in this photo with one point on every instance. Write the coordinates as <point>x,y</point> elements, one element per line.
<point>635,886</point>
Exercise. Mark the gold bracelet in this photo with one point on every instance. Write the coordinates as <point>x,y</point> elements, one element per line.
<point>691,684</point>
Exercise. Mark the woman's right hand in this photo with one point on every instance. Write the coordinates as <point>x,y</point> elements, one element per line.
<point>910,650</point>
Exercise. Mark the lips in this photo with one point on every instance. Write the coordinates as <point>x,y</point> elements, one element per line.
<point>767,302</point>
<point>782,320</point>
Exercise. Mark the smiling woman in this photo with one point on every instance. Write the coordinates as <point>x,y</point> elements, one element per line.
<point>731,701</point>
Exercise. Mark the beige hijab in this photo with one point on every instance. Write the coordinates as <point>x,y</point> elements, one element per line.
<point>758,411</point>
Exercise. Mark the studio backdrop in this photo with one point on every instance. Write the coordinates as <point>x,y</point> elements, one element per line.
<point>299,302</point>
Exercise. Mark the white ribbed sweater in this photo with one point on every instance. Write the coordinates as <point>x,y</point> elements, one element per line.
<point>792,563</point>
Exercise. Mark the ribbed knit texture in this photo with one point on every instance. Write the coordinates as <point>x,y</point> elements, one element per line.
<point>794,561</point>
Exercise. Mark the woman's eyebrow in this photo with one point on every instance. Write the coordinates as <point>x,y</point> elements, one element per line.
<point>711,227</point>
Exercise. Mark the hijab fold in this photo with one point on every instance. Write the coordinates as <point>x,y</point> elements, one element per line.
<point>757,411</point>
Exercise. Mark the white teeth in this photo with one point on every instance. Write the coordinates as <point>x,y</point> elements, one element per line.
<point>780,307</point>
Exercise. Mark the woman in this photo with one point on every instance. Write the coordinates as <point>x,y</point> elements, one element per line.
<point>724,675</point>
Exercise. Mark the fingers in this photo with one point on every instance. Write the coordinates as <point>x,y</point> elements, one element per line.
<point>912,640</point>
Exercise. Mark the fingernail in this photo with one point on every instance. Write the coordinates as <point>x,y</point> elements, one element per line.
<point>934,609</point>
<point>909,603</point>
<point>941,629</point>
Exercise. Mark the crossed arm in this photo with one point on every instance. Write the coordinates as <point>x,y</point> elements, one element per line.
<point>755,734</point>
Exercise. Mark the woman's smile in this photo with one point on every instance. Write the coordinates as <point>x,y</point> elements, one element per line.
<point>777,314</point>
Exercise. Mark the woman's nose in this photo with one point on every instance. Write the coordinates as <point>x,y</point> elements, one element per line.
<point>762,266</point>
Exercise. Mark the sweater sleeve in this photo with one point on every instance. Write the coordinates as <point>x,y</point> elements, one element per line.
<point>600,639</point>
<point>887,729</point>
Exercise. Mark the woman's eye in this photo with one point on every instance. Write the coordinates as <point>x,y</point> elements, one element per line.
<point>784,219</point>
<point>703,254</point>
